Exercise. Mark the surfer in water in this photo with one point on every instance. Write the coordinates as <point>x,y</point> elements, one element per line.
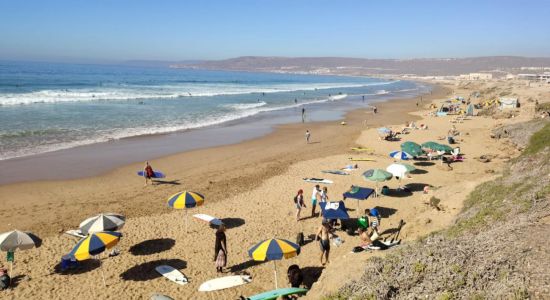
<point>303,114</point>
<point>148,173</point>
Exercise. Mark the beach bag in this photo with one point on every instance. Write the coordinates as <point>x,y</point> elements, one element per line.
<point>296,199</point>
<point>300,239</point>
<point>4,282</point>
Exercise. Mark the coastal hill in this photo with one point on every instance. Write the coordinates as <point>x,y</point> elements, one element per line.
<point>361,66</point>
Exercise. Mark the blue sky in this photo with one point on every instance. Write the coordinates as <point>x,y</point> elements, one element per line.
<point>78,30</point>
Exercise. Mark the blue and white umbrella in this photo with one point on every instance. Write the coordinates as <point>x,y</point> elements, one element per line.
<point>401,155</point>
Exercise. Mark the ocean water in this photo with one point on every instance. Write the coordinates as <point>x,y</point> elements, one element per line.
<point>46,107</point>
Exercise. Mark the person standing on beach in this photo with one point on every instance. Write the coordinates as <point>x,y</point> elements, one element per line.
<point>295,100</point>
<point>299,203</point>
<point>148,173</point>
<point>220,249</point>
<point>374,109</point>
<point>324,196</point>
<point>315,196</point>
<point>323,235</point>
<point>363,98</point>
<point>303,114</point>
<point>308,135</point>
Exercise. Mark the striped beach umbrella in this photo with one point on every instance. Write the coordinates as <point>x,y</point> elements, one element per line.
<point>102,222</point>
<point>95,244</point>
<point>185,199</point>
<point>274,249</point>
<point>400,155</point>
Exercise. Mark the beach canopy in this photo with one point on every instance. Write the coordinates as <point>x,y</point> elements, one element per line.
<point>185,199</point>
<point>377,175</point>
<point>399,170</point>
<point>437,147</point>
<point>102,222</point>
<point>14,240</point>
<point>359,193</point>
<point>334,210</point>
<point>412,148</point>
<point>273,249</point>
<point>400,155</point>
<point>95,244</point>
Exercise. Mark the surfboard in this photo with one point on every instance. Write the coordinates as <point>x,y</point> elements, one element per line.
<point>318,180</point>
<point>157,174</point>
<point>208,219</point>
<point>361,159</point>
<point>360,149</point>
<point>336,172</point>
<point>172,274</point>
<point>157,296</point>
<point>224,283</point>
<point>274,294</point>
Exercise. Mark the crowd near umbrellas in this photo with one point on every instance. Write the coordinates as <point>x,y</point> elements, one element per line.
<point>102,222</point>
<point>400,155</point>
<point>185,200</point>
<point>17,240</point>
<point>274,249</point>
<point>94,244</point>
<point>412,148</point>
<point>437,147</point>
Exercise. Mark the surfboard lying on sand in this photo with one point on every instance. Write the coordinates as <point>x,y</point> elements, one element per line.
<point>361,159</point>
<point>318,180</point>
<point>172,274</point>
<point>157,296</point>
<point>377,245</point>
<point>208,219</point>
<point>224,283</point>
<point>157,174</point>
<point>337,172</point>
<point>274,294</point>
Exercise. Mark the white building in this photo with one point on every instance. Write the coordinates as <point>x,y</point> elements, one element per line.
<point>476,76</point>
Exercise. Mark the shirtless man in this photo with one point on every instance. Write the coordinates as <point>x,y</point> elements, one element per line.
<point>324,234</point>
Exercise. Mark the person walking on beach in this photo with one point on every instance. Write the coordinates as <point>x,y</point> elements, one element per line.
<point>299,203</point>
<point>220,249</point>
<point>303,114</point>
<point>148,173</point>
<point>323,236</point>
<point>308,135</point>
<point>315,196</point>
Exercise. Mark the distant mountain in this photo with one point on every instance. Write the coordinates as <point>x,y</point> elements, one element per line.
<point>158,63</point>
<point>361,66</point>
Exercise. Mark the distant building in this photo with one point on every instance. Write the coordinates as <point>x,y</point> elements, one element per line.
<point>544,77</point>
<point>476,76</point>
<point>510,77</point>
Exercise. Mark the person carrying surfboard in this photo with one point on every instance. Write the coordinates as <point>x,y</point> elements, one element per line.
<point>148,173</point>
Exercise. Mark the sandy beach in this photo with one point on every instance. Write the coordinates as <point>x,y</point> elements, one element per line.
<point>250,186</point>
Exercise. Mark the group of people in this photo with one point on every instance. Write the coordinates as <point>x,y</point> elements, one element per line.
<point>318,195</point>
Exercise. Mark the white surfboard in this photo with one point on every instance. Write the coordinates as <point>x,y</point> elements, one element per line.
<point>318,180</point>
<point>224,283</point>
<point>157,296</point>
<point>208,219</point>
<point>172,274</point>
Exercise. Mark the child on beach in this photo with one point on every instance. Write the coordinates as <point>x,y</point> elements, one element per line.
<point>315,196</point>
<point>308,134</point>
<point>323,235</point>
<point>299,203</point>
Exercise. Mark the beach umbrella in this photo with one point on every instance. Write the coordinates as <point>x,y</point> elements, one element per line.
<point>377,175</point>
<point>94,244</point>
<point>437,147</point>
<point>358,193</point>
<point>399,170</point>
<point>184,200</point>
<point>400,155</point>
<point>274,249</point>
<point>334,210</point>
<point>102,222</point>
<point>412,148</point>
<point>17,240</point>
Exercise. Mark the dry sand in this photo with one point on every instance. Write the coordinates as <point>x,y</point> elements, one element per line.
<point>251,186</point>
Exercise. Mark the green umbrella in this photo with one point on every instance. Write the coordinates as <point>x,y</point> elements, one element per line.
<point>412,148</point>
<point>377,175</point>
<point>437,147</point>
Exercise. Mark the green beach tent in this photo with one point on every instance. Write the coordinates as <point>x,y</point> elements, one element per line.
<point>437,147</point>
<point>412,148</point>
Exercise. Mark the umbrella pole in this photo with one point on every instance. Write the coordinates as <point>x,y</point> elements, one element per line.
<point>186,222</point>
<point>11,270</point>
<point>275,270</point>
<point>102,274</point>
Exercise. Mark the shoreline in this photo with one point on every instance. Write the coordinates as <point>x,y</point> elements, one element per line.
<point>216,171</point>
